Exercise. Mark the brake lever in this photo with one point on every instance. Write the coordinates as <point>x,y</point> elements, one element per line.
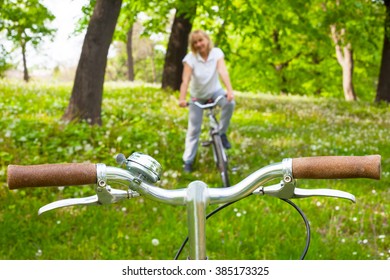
<point>302,193</point>
<point>286,189</point>
<point>91,200</point>
<point>104,195</point>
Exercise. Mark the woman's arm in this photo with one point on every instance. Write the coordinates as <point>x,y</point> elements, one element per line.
<point>223,73</point>
<point>186,77</point>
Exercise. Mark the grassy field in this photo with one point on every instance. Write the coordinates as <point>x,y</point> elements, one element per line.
<point>143,118</point>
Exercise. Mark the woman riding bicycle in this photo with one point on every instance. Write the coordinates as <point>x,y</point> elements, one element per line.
<point>203,66</point>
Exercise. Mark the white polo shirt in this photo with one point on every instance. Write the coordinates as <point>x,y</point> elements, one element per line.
<point>204,79</point>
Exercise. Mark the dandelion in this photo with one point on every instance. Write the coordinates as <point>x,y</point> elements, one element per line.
<point>343,240</point>
<point>318,203</point>
<point>119,139</point>
<point>58,222</point>
<point>373,191</point>
<point>88,147</point>
<point>38,253</point>
<point>354,219</point>
<point>124,209</point>
<point>337,208</point>
<point>238,214</point>
<point>155,242</point>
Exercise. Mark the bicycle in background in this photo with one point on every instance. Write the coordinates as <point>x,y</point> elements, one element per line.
<point>141,173</point>
<point>219,154</point>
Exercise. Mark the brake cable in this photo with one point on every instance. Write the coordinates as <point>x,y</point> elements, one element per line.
<point>307,224</point>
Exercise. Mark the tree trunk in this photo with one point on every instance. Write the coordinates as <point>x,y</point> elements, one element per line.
<point>344,56</point>
<point>26,76</point>
<point>383,90</point>
<point>177,49</point>
<point>130,58</point>
<point>87,94</point>
<point>347,65</point>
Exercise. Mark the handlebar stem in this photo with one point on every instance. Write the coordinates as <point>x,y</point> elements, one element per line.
<point>197,201</point>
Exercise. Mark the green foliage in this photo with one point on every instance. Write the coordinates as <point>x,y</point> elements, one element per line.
<point>4,64</point>
<point>285,46</point>
<point>82,23</point>
<point>141,118</point>
<point>270,47</point>
<point>25,21</point>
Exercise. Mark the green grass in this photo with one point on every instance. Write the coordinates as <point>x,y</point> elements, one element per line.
<point>142,118</point>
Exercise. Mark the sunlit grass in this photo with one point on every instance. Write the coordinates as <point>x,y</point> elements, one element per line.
<point>143,118</point>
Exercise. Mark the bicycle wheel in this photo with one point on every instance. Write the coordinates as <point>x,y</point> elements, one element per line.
<point>221,159</point>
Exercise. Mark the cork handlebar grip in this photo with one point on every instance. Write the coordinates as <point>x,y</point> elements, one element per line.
<point>45,175</point>
<point>337,167</point>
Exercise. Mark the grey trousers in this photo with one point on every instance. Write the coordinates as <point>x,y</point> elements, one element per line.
<point>195,119</point>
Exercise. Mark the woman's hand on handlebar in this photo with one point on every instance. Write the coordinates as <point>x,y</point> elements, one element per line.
<point>183,103</point>
<point>230,96</point>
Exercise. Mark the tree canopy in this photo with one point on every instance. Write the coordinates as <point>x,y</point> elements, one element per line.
<point>270,46</point>
<point>25,22</point>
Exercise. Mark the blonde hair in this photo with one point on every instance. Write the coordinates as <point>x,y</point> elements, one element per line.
<point>199,33</point>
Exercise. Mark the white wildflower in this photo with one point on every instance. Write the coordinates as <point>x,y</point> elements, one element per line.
<point>155,242</point>
<point>38,253</point>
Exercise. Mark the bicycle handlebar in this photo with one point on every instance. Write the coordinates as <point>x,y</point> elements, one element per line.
<point>208,105</point>
<point>326,167</point>
<point>142,170</point>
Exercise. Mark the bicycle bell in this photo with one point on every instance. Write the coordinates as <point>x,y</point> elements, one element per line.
<point>142,166</point>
